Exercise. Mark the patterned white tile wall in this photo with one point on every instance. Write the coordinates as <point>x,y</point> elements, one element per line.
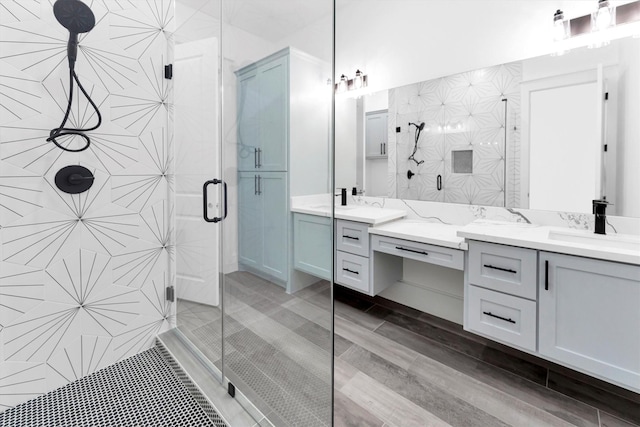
<point>82,277</point>
<point>465,111</point>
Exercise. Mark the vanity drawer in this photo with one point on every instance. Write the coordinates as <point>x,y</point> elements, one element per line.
<point>446,257</point>
<point>352,271</point>
<point>352,237</point>
<point>509,319</point>
<point>503,268</point>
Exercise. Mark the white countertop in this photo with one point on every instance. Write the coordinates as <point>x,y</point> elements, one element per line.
<point>612,247</point>
<point>366,214</point>
<point>424,232</point>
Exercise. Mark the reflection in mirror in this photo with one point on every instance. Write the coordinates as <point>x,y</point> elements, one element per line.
<point>547,133</point>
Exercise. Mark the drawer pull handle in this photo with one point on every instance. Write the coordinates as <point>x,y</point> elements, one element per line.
<point>412,250</point>
<point>488,313</point>
<point>508,270</point>
<point>350,271</point>
<point>546,275</point>
<point>351,237</point>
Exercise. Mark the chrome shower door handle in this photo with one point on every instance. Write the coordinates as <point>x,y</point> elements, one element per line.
<point>205,202</point>
<point>255,158</point>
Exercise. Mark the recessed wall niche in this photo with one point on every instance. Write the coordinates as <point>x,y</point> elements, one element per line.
<point>462,161</point>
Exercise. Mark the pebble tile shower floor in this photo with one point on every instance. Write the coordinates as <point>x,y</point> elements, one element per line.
<point>148,389</point>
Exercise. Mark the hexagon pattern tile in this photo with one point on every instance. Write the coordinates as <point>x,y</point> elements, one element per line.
<point>467,111</point>
<point>82,277</point>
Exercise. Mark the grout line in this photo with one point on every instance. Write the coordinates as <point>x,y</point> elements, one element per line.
<point>599,419</point>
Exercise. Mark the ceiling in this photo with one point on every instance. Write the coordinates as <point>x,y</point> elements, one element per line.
<point>271,20</point>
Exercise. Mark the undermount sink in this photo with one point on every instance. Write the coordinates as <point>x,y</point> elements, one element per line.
<point>338,207</point>
<point>613,241</point>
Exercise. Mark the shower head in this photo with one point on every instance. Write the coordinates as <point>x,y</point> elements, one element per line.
<point>420,126</point>
<point>74,15</point>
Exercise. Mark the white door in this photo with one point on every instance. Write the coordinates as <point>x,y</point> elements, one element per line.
<point>562,136</point>
<point>196,150</point>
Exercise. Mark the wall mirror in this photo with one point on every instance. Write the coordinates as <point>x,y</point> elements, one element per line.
<point>548,133</point>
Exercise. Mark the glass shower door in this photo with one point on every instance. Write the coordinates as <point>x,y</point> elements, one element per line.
<point>196,119</point>
<point>276,149</point>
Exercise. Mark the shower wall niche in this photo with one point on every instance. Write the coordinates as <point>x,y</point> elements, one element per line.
<point>83,277</point>
<point>469,117</point>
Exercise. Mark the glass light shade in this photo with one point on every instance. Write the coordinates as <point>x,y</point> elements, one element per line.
<point>603,17</point>
<point>561,26</point>
<point>357,80</point>
<point>342,84</point>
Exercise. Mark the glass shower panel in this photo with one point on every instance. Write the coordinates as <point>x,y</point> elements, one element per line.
<point>276,153</point>
<point>196,117</point>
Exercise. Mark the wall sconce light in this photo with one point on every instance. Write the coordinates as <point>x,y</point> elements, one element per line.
<point>601,26</point>
<point>561,26</point>
<point>603,17</point>
<point>342,85</point>
<point>358,82</point>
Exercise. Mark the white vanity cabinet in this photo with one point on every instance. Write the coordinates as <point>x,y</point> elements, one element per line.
<point>352,255</point>
<point>590,316</point>
<point>500,294</point>
<point>312,245</point>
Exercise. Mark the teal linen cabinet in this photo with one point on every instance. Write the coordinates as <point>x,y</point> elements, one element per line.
<point>282,140</point>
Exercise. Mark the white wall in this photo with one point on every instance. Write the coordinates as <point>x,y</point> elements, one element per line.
<point>398,42</point>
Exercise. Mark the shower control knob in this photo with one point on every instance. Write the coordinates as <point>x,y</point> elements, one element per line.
<point>74,179</point>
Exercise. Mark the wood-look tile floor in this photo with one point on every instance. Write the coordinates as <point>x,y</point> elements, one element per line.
<point>394,366</point>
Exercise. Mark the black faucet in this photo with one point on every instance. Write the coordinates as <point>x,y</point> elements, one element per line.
<point>600,210</point>
<point>343,196</point>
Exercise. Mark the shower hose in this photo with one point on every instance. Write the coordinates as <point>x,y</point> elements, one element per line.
<point>62,131</point>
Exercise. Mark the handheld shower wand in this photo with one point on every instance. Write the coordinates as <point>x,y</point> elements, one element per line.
<point>419,128</point>
<point>78,18</point>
